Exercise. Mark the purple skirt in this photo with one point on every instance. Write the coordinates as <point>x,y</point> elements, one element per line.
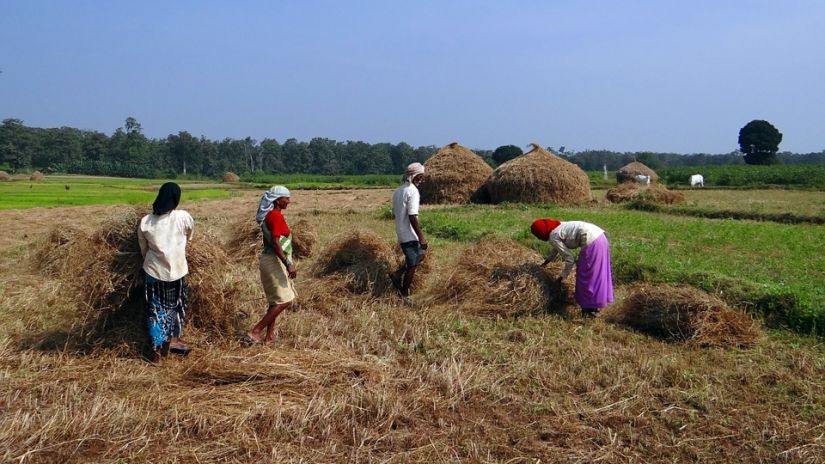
<point>594,278</point>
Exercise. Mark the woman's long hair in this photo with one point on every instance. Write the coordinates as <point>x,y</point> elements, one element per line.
<point>167,200</point>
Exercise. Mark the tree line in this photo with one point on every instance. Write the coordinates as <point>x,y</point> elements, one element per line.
<point>129,153</point>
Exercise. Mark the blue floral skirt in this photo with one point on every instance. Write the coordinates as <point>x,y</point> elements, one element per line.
<point>166,307</point>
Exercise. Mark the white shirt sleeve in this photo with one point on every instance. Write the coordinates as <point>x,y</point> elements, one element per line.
<point>559,247</point>
<point>412,202</point>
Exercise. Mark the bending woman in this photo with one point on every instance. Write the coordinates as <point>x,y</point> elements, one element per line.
<point>276,265</point>
<point>162,237</point>
<point>594,277</point>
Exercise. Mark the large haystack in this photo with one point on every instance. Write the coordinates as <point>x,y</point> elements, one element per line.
<point>361,259</point>
<point>104,267</point>
<point>626,173</point>
<point>685,314</point>
<point>539,177</point>
<point>499,277</point>
<point>454,175</point>
<point>245,242</point>
<point>37,175</point>
<point>4,176</point>
<point>231,177</point>
<point>653,193</point>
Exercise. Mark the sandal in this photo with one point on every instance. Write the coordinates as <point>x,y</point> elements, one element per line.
<point>181,349</point>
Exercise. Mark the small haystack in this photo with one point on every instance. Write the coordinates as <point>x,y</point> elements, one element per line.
<point>499,277</point>
<point>361,259</point>
<point>4,176</point>
<point>231,178</point>
<point>653,193</point>
<point>538,176</point>
<point>37,175</point>
<point>626,173</point>
<point>454,175</point>
<point>105,266</point>
<point>685,314</point>
<point>245,242</point>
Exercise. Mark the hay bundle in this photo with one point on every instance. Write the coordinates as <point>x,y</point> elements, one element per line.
<point>685,314</point>
<point>37,175</point>
<point>231,177</point>
<point>304,239</point>
<point>454,175</point>
<point>245,242</point>
<point>499,277</point>
<point>4,176</point>
<point>105,269</point>
<point>627,172</point>
<point>361,259</point>
<point>539,177</point>
<point>653,193</point>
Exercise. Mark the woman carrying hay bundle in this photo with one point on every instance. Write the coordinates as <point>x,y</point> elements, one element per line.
<point>405,203</point>
<point>594,277</point>
<point>276,265</point>
<point>162,237</point>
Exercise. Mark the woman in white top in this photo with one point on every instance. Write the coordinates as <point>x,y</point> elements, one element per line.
<point>162,236</point>
<point>594,277</point>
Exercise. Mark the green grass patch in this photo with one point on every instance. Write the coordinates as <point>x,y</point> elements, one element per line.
<point>83,190</point>
<point>308,181</point>
<point>775,270</point>
<point>804,176</point>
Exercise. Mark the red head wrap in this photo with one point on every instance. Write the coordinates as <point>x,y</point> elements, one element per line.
<point>541,228</point>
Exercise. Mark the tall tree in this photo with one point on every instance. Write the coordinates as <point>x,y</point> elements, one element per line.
<point>759,140</point>
<point>505,153</point>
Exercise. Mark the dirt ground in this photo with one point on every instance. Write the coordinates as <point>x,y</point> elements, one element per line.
<point>20,226</point>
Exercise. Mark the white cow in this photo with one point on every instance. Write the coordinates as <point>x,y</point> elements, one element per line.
<point>642,179</point>
<point>697,180</point>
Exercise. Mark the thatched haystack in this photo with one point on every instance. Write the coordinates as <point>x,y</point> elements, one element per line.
<point>4,176</point>
<point>245,242</point>
<point>653,193</point>
<point>361,259</point>
<point>686,314</point>
<point>454,175</point>
<point>231,178</point>
<point>499,277</point>
<point>104,267</point>
<point>37,175</point>
<point>628,171</point>
<point>538,176</point>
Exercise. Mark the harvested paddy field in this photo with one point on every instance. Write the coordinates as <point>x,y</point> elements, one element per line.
<point>360,376</point>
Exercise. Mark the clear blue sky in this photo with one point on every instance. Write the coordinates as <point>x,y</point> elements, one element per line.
<point>621,75</point>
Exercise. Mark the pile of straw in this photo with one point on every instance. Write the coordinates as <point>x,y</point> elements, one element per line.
<point>37,175</point>
<point>361,260</point>
<point>686,314</point>
<point>627,172</point>
<point>104,267</point>
<point>231,177</point>
<point>539,177</point>
<point>245,242</point>
<point>653,193</point>
<point>4,176</point>
<point>499,277</point>
<point>454,175</point>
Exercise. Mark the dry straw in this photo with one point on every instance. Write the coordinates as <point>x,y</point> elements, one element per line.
<point>37,175</point>
<point>686,314</point>
<point>104,267</point>
<point>653,193</point>
<point>231,177</point>
<point>627,172</point>
<point>245,242</point>
<point>454,175</point>
<point>4,176</point>
<point>539,177</point>
<point>499,277</point>
<point>361,260</point>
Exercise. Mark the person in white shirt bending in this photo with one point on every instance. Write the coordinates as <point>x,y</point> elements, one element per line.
<point>405,202</point>
<point>162,237</point>
<point>594,276</point>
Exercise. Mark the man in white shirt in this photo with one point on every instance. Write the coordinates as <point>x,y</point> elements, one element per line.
<point>405,201</point>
